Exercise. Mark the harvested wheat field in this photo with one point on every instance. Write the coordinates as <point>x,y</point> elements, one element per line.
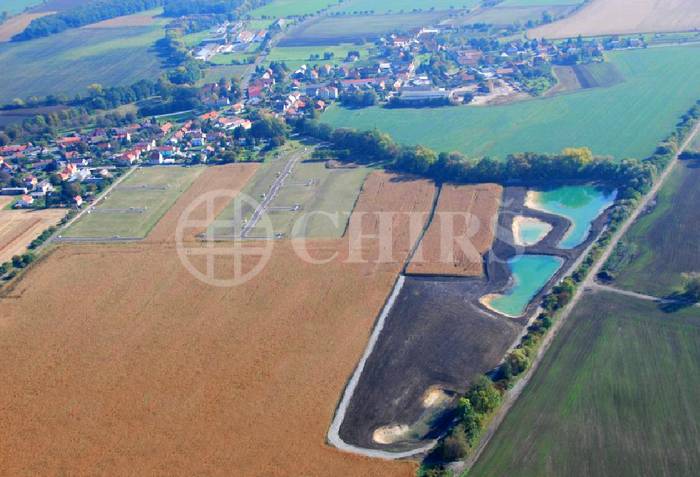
<point>461,232</point>
<point>148,369</point>
<point>17,24</point>
<point>606,17</point>
<point>18,228</point>
<point>228,180</point>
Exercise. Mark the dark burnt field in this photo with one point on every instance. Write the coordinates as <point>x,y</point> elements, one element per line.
<point>438,336</point>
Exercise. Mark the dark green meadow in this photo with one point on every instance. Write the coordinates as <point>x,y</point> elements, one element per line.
<point>616,396</point>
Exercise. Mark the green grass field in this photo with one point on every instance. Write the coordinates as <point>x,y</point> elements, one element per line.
<point>70,61</point>
<point>110,222</point>
<point>616,395</point>
<point>404,6</point>
<point>288,8</point>
<point>625,120</point>
<point>295,56</point>
<point>332,191</point>
<point>663,247</point>
<point>335,30</point>
<point>215,73</point>
<point>695,146</point>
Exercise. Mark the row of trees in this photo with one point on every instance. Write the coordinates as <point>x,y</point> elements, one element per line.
<point>91,12</point>
<point>233,8</point>
<point>634,177</point>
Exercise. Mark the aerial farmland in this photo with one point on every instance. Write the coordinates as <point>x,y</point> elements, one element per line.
<point>420,238</point>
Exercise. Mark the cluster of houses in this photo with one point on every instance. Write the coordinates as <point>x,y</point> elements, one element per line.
<point>428,65</point>
<point>228,38</point>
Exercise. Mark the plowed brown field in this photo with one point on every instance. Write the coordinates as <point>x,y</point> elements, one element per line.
<point>606,17</point>
<point>135,367</point>
<point>461,231</point>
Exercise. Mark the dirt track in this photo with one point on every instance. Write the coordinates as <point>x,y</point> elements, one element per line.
<point>135,365</point>
<point>605,17</point>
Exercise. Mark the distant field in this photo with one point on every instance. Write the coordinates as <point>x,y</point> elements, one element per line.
<point>663,246</point>
<point>295,56</point>
<point>215,73</point>
<point>289,8</point>
<point>70,61</point>
<point>16,25</point>
<point>505,15</point>
<point>529,3</point>
<point>404,6</point>
<point>60,5</point>
<point>353,29</point>
<point>615,396</point>
<point>16,6</point>
<point>19,227</point>
<point>137,204</point>
<point>605,17</point>
<point>625,120</point>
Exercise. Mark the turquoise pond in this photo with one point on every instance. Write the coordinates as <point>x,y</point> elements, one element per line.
<point>580,204</point>
<point>530,274</point>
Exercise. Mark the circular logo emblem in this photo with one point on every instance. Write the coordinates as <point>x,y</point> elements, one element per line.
<point>229,249</point>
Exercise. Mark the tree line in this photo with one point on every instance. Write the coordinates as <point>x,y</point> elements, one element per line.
<point>91,12</point>
<point>573,164</point>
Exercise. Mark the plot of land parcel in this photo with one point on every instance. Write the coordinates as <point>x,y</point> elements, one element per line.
<point>112,53</point>
<point>662,249</point>
<point>133,208</point>
<point>460,233</point>
<point>625,120</point>
<point>19,227</point>
<point>149,369</point>
<point>615,395</point>
<point>334,30</point>
<point>608,17</point>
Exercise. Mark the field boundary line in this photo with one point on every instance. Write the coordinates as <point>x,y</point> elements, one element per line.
<point>511,397</point>
<point>333,436</point>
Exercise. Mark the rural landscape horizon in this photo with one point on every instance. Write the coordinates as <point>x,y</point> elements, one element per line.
<point>350,238</point>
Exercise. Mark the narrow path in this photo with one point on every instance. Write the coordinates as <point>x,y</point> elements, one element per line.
<point>272,192</point>
<point>512,395</point>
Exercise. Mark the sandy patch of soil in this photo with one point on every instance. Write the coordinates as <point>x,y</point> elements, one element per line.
<point>390,434</point>
<point>467,215</point>
<point>135,366</point>
<point>605,17</point>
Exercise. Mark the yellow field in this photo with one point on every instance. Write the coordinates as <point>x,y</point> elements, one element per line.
<point>605,17</point>
<point>19,227</point>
